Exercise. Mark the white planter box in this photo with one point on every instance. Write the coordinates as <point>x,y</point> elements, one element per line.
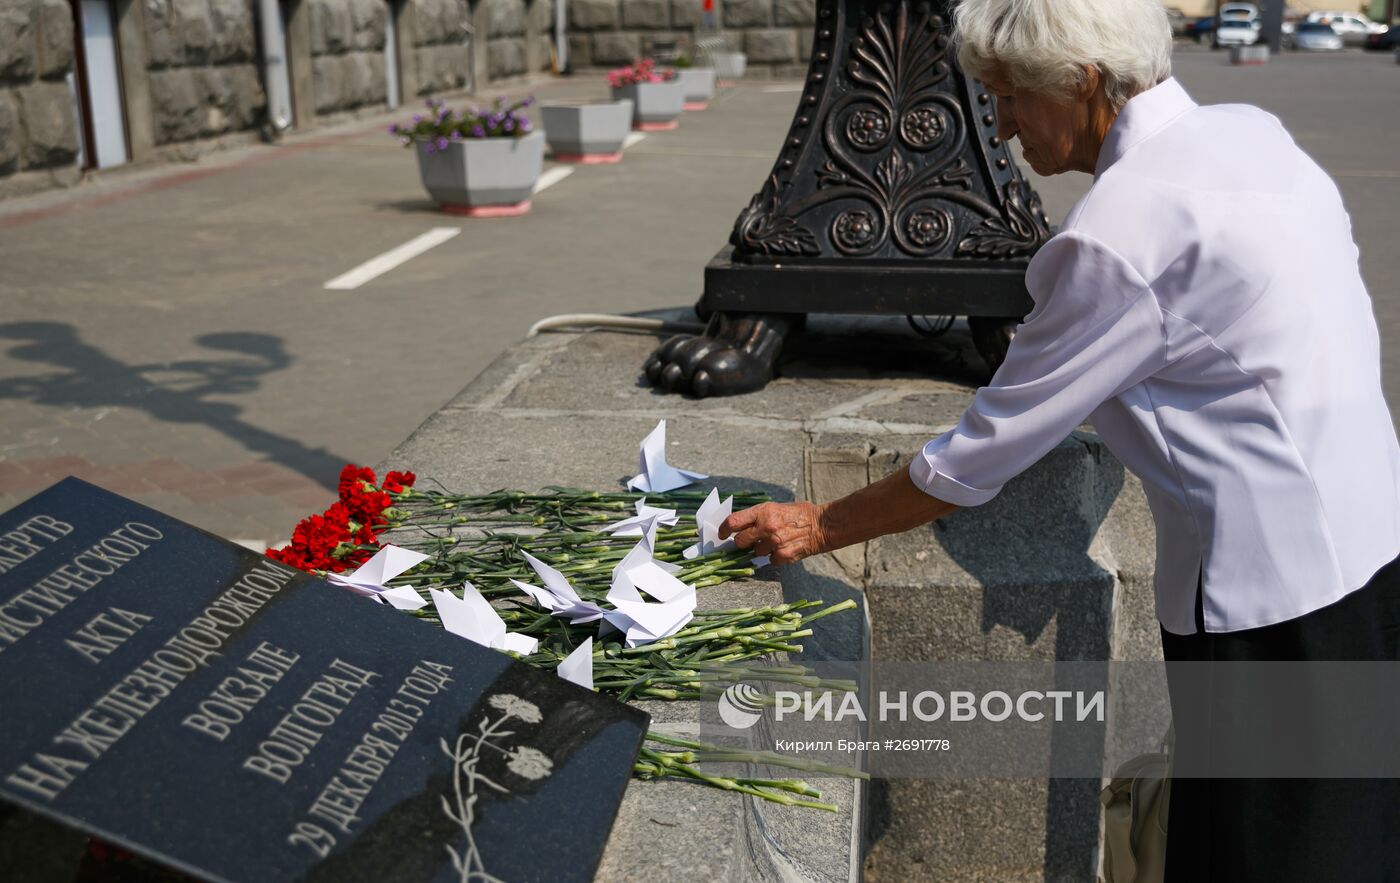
<point>483,177</point>
<point>730,67</point>
<point>655,106</point>
<point>587,133</point>
<point>698,83</point>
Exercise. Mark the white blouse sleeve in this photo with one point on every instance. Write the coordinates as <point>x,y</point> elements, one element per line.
<point>1095,331</point>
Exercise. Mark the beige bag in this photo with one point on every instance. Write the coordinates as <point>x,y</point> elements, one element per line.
<point>1135,820</point>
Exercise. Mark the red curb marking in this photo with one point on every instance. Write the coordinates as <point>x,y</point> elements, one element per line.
<point>588,159</point>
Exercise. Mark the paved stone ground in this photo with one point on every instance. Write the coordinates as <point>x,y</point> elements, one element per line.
<point>164,332</point>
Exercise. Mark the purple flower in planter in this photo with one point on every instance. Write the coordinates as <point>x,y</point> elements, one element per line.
<point>442,144</point>
<point>478,132</point>
<point>428,147</point>
<point>417,118</point>
<point>509,125</point>
<point>525,125</point>
<point>394,129</point>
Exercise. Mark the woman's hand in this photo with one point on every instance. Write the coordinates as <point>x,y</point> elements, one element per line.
<point>785,532</point>
<point>788,532</point>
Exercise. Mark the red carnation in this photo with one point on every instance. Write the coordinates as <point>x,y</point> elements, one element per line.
<point>398,482</point>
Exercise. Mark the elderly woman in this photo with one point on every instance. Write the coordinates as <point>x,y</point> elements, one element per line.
<point>1202,306</point>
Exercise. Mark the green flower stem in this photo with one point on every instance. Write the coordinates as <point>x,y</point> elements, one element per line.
<point>848,604</point>
<point>673,767</point>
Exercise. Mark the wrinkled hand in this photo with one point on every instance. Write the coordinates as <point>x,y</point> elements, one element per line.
<point>785,532</point>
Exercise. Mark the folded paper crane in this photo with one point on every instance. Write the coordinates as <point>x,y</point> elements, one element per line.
<point>657,476</point>
<point>707,522</point>
<point>558,597</point>
<point>644,621</point>
<point>636,525</point>
<point>369,578</point>
<point>577,667</point>
<point>472,617</point>
<point>708,518</point>
<point>640,620</point>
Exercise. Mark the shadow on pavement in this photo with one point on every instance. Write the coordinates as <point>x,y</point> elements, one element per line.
<point>171,392</point>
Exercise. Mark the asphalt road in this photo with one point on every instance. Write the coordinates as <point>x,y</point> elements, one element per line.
<point>165,332</point>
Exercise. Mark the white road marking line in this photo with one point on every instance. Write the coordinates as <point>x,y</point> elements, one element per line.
<point>774,90</point>
<point>552,177</point>
<point>378,266</point>
<point>632,139</point>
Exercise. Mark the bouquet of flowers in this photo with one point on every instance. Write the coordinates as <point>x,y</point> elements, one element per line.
<point>641,71</point>
<point>496,540</point>
<point>441,125</point>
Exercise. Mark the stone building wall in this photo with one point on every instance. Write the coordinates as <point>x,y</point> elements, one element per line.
<point>347,53</point>
<point>776,35</point>
<point>38,133</point>
<point>202,59</point>
<point>517,36</point>
<point>443,61</point>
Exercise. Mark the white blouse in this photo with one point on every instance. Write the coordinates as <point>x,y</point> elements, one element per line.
<point>1203,307</point>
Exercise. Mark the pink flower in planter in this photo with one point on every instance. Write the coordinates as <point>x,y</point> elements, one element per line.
<point>642,71</point>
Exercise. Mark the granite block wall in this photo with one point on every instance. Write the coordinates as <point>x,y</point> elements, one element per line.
<point>38,130</point>
<point>774,34</point>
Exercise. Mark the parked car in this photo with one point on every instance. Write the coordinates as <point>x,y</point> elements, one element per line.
<point>1201,29</point>
<point>1352,27</point>
<point>1241,11</point>
<point>1314,36</point>
<point>1236,32</point>
<point>1179,22</point>
<point>1390,39</point>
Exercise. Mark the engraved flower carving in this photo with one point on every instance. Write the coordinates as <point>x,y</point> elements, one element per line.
<point>927,228</point>
<point>922,127</point>
<point>529,763</point>
<point>868,127</point>
<point>854,229</point>
<point>514,706</point>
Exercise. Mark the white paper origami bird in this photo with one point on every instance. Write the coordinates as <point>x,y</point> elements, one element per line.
<point>635,526</point>
<point>558,597</point>
<point>472,617</point>
<point>708,519</point>
<point>643,621</point>
<point>369,578</point>
<point>577,667</point>
<point>657,476</point>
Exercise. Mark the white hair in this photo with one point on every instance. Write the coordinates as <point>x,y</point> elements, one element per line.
<point>1044,45</point>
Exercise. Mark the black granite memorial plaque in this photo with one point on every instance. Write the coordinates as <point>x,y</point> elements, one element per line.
<point>235,719</point>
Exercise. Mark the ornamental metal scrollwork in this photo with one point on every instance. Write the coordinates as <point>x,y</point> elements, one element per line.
<point>886,157</point>
<point>923,127</point>
<point>1019,231</point>
<point>855,231</point>
<point>868,129</point>
<point>762,229</point>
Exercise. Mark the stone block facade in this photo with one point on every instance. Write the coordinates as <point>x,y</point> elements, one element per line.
<point>38,134</point>
<point>776,35</point>
<point>193,70</point>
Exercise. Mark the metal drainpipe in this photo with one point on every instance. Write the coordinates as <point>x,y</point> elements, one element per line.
<point>561,35</point>
<point>274,46</point>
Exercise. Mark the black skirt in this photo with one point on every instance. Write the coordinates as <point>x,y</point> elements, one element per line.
<point>1285,829</point>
